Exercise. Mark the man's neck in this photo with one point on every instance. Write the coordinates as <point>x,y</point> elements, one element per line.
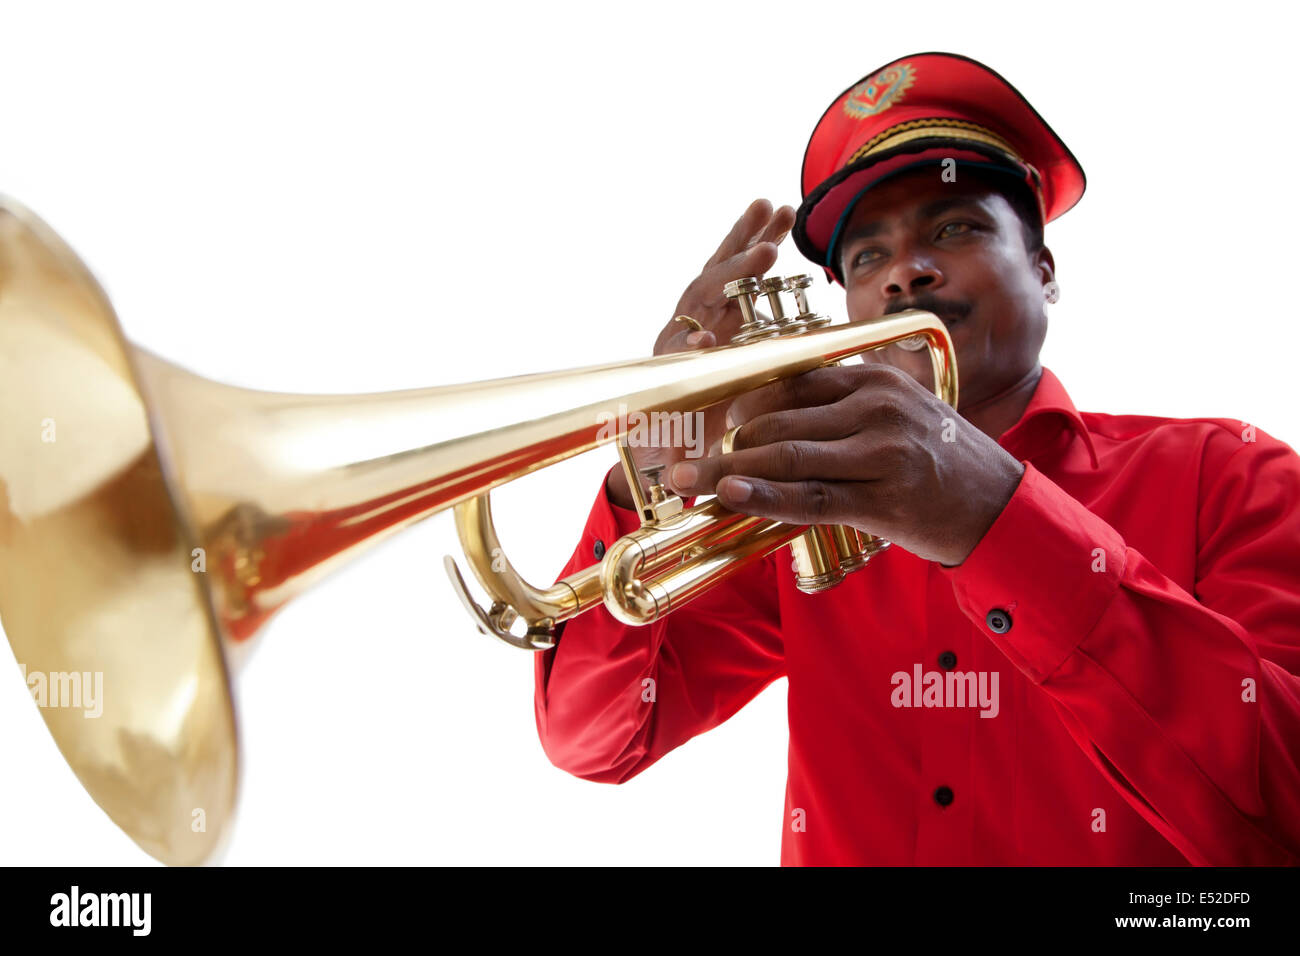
<point>995,414</point>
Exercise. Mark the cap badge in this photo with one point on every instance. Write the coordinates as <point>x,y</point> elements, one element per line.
<point>878,93</point>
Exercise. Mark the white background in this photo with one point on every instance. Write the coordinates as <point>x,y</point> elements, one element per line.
<point>377,196</point>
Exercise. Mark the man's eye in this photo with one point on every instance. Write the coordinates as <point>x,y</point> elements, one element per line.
<point>954,229</point>
<point>865,256</point>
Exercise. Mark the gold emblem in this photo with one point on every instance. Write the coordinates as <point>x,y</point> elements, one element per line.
<point>878,93</point>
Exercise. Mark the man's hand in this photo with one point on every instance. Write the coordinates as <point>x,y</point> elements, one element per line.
<point>749,249</point>
<point>865,446</point>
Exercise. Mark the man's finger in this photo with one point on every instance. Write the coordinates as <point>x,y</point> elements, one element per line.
<point>794,502</point>
<point>819,423</point>
<point>687,340</point>
<point>704,298</point>
<point>752,260</point>
<point>779,226</point>
<point>746,227</point>
<point>822,386</point>
<point>783,461</point>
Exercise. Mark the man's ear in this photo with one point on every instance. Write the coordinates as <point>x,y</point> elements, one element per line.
<point>1045,265</point>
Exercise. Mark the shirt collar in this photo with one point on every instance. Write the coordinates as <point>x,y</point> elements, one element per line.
<point>1047,415</point>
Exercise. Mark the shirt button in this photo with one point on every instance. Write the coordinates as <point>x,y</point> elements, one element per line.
<point>598,549</point>
<point>947,660</point>
<point>943,796</point>
<point>998,620</point>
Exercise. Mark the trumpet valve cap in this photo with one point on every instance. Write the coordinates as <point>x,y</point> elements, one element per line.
<point>738,287</point>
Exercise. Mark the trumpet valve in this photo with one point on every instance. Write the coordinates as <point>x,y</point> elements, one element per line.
<point>755,326</point>
<point>772,288</point>
<point>798,284</point>
<point>816,560</point>
<point>663,503</point>
<point>856,547</point>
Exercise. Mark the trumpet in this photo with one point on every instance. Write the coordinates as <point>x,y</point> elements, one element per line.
<point>152,521</point>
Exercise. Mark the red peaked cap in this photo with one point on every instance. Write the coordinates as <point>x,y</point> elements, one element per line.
<point>920,110</point>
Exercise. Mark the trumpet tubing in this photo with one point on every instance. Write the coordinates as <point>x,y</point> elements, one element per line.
<point>648,573</point>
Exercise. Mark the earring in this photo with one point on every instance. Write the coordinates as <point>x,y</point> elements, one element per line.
<point>1051,292</point>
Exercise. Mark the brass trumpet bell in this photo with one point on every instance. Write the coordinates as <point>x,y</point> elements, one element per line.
<point>151,521</point>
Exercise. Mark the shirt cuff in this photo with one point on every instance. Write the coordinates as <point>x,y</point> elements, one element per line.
<point>1041,577</point>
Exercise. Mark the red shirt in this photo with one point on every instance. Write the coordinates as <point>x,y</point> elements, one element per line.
<point>1141,708</point>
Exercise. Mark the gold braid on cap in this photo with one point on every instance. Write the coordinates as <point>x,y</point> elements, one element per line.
<point>927,129</point>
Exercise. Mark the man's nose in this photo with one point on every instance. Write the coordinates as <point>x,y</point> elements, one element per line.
<point>909,275</point>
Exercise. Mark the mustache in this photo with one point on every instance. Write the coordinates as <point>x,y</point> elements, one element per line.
<point>949,309</point>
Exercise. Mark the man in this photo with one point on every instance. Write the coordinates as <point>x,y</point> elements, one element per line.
<point>1081,648</point>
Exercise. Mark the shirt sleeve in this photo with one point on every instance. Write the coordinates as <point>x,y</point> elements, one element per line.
<point>1189,704</point>
<point>611,699</point>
